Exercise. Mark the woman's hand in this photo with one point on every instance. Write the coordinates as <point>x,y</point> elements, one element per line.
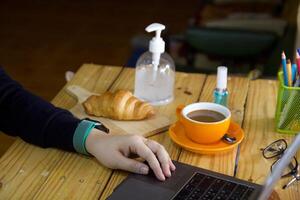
<point>113,151</point>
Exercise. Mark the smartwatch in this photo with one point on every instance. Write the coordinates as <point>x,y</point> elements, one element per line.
<point>98,125</point>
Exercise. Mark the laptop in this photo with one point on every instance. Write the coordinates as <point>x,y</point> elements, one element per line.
<point>193,183</point>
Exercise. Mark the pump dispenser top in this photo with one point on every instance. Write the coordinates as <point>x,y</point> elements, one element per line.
<point>156,44</point>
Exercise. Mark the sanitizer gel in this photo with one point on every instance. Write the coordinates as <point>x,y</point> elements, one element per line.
<point>155,71</point>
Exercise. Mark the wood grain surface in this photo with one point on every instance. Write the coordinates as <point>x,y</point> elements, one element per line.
<point>260,131</point>
<point>30,172</point>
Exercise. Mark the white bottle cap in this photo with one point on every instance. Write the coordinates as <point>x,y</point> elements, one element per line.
<point>222,78</point>
<point>156,44</point>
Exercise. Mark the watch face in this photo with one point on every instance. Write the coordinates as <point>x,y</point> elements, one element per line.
<point>101,127</point>
<point>98,125</point>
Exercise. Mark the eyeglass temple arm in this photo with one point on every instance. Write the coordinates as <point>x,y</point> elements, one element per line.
<point>296,178</point>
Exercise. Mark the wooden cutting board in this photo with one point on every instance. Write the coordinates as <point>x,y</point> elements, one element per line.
<point>146,128</point>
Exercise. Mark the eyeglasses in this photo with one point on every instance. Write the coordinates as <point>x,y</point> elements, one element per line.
<point>276,150</point>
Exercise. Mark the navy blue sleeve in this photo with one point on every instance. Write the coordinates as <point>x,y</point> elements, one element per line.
<point>33,119</point>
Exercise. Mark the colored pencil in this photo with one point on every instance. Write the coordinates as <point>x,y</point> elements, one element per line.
<point>294,72</point>
<point>283,62</point>
<point>289,72</point>
<point>298,61</point>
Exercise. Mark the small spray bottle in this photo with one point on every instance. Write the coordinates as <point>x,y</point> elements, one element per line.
<point>221,92</point>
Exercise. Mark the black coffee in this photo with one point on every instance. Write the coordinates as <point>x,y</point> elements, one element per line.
<point>206,116</point>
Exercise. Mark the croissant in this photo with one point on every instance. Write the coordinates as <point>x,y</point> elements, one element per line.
<point>120,105</point>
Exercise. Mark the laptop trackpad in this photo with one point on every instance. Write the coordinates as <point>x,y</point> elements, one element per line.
<point>129,191</point>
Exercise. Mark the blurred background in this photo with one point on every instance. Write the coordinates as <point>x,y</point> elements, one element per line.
<point>40,40</point>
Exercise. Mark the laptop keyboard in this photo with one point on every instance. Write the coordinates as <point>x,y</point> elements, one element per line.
<point>204,187</point>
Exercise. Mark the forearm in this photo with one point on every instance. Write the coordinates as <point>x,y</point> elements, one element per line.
<point>33,119</point>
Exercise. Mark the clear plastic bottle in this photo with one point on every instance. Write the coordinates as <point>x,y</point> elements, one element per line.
<point>155,72</point>
<point>155,86</point>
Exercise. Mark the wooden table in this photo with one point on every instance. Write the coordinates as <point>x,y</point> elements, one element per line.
<point>30,172</point>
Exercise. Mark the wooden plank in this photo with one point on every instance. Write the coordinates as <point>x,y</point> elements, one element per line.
<point>24,168</point>
<point>223,162</point>
<point>260,131</point>
<point>187,90</point>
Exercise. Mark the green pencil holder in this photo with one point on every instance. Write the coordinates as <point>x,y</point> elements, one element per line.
<point>287,116</point>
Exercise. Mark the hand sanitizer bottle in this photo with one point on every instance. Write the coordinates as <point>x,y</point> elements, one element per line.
<point>155,71</point>
<point>221,92</point>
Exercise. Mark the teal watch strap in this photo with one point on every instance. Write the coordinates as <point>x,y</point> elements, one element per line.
<point>81,133</point>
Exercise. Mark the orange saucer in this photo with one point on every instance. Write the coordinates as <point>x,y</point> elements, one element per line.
<point>177,134</point>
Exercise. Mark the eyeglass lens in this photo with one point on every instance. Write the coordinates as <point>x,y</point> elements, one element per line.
<point>275,149</point>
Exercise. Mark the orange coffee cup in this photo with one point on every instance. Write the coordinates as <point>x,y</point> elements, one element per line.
<point>204,132</point>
